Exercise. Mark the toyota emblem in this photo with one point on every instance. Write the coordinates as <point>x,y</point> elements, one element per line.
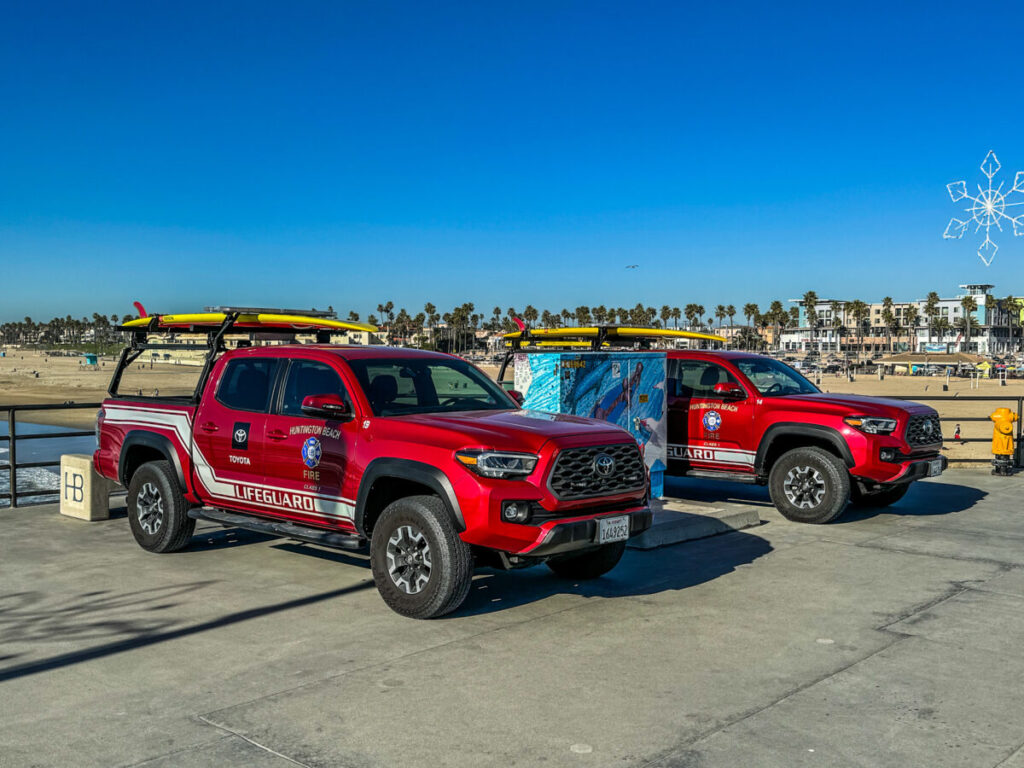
<point>604,465</point>
<point>240,435</point>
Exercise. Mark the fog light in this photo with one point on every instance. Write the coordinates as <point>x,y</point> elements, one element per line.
<point>515,511</point>
<point>887,454</point>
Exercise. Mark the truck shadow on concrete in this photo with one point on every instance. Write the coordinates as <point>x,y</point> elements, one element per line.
<point>934,497</point>
<point>124,620</point>
<point>923,499</point>
<point>114,621</point>
<point>640,573</point>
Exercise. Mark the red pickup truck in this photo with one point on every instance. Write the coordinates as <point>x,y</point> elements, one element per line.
<point>750,418</point>
<point>417,453</point>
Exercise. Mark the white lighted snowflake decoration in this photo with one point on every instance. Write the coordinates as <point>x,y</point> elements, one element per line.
<point>987,209</point>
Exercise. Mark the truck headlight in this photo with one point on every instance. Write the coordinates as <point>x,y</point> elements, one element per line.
<point>873,425</point>
<point>498,464</point>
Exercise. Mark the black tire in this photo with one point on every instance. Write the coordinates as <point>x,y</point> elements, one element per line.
<point>157,510</point>
<point>809,485</point>
<point>878,499</point>
<point>420,526</point>
<point>589,564</point>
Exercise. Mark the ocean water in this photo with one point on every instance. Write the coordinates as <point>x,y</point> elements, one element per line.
<point>43,479</point>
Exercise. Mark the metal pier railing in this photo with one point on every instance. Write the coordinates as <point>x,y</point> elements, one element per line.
<point>12,438</point>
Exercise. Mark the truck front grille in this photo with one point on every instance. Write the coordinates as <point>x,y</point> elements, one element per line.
<point>581,473</point>
<point>924,430</point>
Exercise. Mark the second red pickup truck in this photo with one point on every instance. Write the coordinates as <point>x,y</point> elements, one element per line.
<point>753,419</point>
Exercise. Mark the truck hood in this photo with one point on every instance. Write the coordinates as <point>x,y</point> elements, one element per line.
<point>517,430</point>
<point>859,404</point>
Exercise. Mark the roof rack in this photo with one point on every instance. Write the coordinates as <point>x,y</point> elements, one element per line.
<point>596,337</point>
<point>328,314</point>
<point>217,325</point>
<point>600,335</point>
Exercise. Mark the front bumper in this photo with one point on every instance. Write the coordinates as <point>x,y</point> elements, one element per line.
<point>917,470</point>
<point>580,534</point>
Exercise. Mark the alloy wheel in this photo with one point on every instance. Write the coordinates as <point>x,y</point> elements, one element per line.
<point>408,556</point>
<point>804,487</point>
<point>150,508</point>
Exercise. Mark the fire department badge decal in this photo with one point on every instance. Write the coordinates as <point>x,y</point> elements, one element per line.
<point>712,421</point>
<point>311,452</point>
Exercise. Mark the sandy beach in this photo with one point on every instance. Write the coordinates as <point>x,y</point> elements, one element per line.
<point>30,377</point>
<point>37,378</point>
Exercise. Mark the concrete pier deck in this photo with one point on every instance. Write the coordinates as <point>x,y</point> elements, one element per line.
<point>887,639</point>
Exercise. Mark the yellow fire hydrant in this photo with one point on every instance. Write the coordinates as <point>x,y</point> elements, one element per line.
<point>1002,441</point>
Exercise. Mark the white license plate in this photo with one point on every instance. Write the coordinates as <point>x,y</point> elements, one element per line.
<point>934,467</point>
<point>612,529</point>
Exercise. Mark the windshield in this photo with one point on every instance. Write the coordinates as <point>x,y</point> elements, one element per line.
<point>426,385</point>
<point>771,377</point>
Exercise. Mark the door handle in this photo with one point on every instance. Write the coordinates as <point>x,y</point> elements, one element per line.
<point>209,427</point>
<point>276,434</point>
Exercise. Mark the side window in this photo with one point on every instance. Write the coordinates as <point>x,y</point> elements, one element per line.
<point>696,378</point>
<point>392,386</point>
<point>246,384</point>
<point>309,377</point>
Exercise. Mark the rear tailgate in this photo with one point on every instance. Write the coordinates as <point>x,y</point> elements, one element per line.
<point>133,428</point>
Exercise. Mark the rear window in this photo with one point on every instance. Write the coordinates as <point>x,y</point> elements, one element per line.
<point>246,384</point>
<point>158,375</point>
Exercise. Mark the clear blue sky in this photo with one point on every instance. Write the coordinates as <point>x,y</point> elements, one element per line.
<point>301,154</point>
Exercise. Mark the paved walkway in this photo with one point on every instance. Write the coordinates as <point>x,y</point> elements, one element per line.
<point>886,639</point>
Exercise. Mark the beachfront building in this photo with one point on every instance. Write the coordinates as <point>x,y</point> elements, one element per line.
<point>994,326</point>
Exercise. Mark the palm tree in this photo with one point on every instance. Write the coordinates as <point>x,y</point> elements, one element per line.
<point>691,315</point>
<point>730,312</point>
<point>810,305</point>
<point>888,321</point>
<point>911,318</point>
<point>931,311</point>
<point>1011,307</point>
<point>859,312</point>
<point>942,327</point>
<point>970,306</point>
<point>666,314</point>
<point>676,314</point>
<point>776,316</point>
<point>837,324</point>
<point>720,315</point>
<point>530,314</point>
<point>751,311</point>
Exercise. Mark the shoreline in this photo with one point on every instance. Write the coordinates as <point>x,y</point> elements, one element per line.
<point>84,418</point>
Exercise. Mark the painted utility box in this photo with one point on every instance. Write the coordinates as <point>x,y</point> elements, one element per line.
<point>625,388</point>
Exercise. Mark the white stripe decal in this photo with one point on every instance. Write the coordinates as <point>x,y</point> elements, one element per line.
<point>284,499</point>
<point>713,455</point>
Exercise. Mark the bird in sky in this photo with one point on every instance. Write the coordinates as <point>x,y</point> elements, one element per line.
<point>632,266</point>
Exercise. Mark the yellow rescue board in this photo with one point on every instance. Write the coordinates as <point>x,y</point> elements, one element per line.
<point>615,332</point>
<point>566,343</point>
<point>264,319</point>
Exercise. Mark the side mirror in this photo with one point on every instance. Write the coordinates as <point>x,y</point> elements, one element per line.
<point>516,395</point>
<point>327,407</point>
<point>730,390</point>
